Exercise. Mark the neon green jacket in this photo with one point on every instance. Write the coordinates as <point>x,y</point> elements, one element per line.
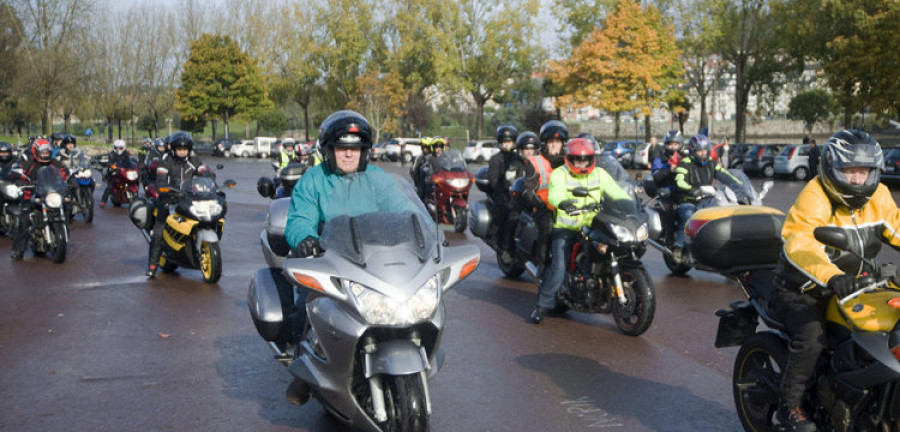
<point>600,185</point>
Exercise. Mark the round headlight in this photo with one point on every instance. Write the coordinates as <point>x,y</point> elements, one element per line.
<point>53,200</point>
<point>11,191</point>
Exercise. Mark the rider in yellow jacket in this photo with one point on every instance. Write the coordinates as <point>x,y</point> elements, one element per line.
<point>847,194</point>
<point>578,172</point>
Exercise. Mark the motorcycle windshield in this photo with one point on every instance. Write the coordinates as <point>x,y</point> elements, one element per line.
<point>199,187</point>
<point>742,187</point>
<point>623,211</point>
<point>395,224</point>
<point>452,160</point>
<point>82,161</point>
<point>48,180</point>
<point>128,163</point>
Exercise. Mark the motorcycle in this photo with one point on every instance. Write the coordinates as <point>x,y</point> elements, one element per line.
<point>856,382</point>
<point>10,197</point>
<point>371,310</point>
<point>604,272</point>
<point>193,230</point>
<point>727,193</point>
<point>81,190</point>
<point>49,231</point>
<point>448,201</point>
<point>526,230</point>
<point>283,184</point>
<point>124,178</point>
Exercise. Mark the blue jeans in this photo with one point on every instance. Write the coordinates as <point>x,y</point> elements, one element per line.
<point>561,242</point>
<point>685,211</point>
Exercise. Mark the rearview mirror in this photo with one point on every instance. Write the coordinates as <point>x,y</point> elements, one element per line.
<point>230,183</point>
<point>833,236</point>
<point>580,192</point>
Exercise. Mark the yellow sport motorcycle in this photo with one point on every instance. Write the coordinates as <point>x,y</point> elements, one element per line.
<point>856,383</point>
<point>193,229</point>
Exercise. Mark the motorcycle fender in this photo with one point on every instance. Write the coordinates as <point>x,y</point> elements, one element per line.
<point>206,235</point>
<point>885,369</point>
<point>460,202</point>
<point>737,325</point>
<point>396,357</point>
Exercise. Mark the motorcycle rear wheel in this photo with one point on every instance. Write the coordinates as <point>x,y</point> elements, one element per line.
<point>405,404</point>
<point>758,368</point>
<point>635,316</point>
<point>210,262</point>
<point>461,219</point>
<point>58,249</point>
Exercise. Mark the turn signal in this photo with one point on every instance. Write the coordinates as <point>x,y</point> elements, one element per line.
<point>468,268</point>
<point>894,302</point>
<point>165,189</point>
<point>896,352</point>
<point>308,281</point>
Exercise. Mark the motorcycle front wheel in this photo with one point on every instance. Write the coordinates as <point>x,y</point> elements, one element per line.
<point>87,205</point>
<point>58,242</point>
<point>210,262</point>
<point>758,368</point>
<point>635,316</point>
<point>461,219</point>
<point>405,404</point>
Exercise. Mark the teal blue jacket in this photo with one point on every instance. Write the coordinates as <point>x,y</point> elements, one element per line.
<point>322,195</point>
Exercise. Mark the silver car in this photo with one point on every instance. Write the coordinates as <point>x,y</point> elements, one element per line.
<point>793,161</point>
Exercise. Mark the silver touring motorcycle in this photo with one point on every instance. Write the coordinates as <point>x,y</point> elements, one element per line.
<point>368,339</point>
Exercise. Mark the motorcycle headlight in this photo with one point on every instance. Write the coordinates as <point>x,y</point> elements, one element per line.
<point>206,210</point>
<point>624,235</point>
<point>12,191</point>
<point>458,183</point>
<point>85,173</point>
<point>642,233</point>
<point>53,200</point>
<point>379,309</point>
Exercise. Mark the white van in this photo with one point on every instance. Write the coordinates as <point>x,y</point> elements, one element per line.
<point>262,146</point>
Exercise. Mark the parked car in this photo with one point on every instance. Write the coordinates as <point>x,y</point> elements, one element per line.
<point>244,148</point>
<point>760,159</point>
<point>406,149</point>
<point>223,146</point>
<point>378,151</point>
<point>480,151</point>
<point>642,156</point>
<point>204,147</point>
<point>623,151</point>
<point>793,161</point>
<point>891,164</point>
<point>736,158</point>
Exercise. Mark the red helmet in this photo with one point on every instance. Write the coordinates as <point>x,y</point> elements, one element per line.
<point>42,150</point>
<point>580,150</point>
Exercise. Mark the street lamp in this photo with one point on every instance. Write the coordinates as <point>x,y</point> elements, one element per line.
<point>169,124</point>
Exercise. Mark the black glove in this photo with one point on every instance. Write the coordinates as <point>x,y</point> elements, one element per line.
<point>744,200</point>
<point>567,206</point>
<point>843,285</point>
<point>308,247</point>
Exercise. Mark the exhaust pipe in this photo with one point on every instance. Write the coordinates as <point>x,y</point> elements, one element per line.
<point>659,246</point>
<point>533,271</point>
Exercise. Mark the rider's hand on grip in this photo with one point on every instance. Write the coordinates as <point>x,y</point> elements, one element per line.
<point>308,247</point>
<point>843,285</point>
<point>567,206</point>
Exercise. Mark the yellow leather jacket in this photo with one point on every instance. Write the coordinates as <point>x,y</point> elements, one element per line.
<point>806,263</point>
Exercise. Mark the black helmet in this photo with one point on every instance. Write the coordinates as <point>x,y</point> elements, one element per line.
<point>507,132</point>
<point>528,140</point>
<point>673,136</point>
<point>69,138</point>
<point>56,136</point>
<point>181,140</point>
<point>554,129</point>
<point>5,152</point>
<point>345,129</point>
<point>588,136</point>
<point>847,149</point>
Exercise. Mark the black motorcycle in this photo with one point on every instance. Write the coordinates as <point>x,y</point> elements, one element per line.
<point>10,197</point>
<point>604,272</point>
<point>283,184</point>
<point>49,234</point>
<point>481,223</point>
<point>81,190</point>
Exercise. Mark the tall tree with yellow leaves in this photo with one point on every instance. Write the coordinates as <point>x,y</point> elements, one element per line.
<point>626,65</point>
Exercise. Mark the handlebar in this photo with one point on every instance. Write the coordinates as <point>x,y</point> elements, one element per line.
<point>586,209</point>
<point>866,289</point>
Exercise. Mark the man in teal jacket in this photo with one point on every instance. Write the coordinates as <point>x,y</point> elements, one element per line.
<point>344,185</point>
<point>579,171</point>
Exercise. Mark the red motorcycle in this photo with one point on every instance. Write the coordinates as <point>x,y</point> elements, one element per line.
<point>448,201</point>
<point>125,178</point>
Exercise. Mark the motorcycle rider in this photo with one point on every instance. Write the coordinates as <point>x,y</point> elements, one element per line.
<point>847,194</point>
<point>42,156</point>
<point>56,139</point>
<point>503,168</point>
<point>418,170</point>
<point>286,155</point>
<point>553,135</point>
<point>346,138</point>
<point>69,153</point>
<point>114,158</point>
<point>665,161</point>
<point>692,172</point>
<point>527,144</point>
<point>6,158</point>
<point>578,171</point>
<point>175,169</point>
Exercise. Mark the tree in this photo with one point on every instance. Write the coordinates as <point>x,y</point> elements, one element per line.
<point>49,54</point>
<point>628,66</point>
<point>811,106</point>
<point>486,48</point>
<point>748,39</point>
<point>697,40</point>
<point>381,101</point>
<point>219,80</point>
<point>10,42</point>
<point>346,27</point>
<point>582,17</point>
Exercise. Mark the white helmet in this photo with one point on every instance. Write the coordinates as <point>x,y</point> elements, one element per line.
<point>119,146</point>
